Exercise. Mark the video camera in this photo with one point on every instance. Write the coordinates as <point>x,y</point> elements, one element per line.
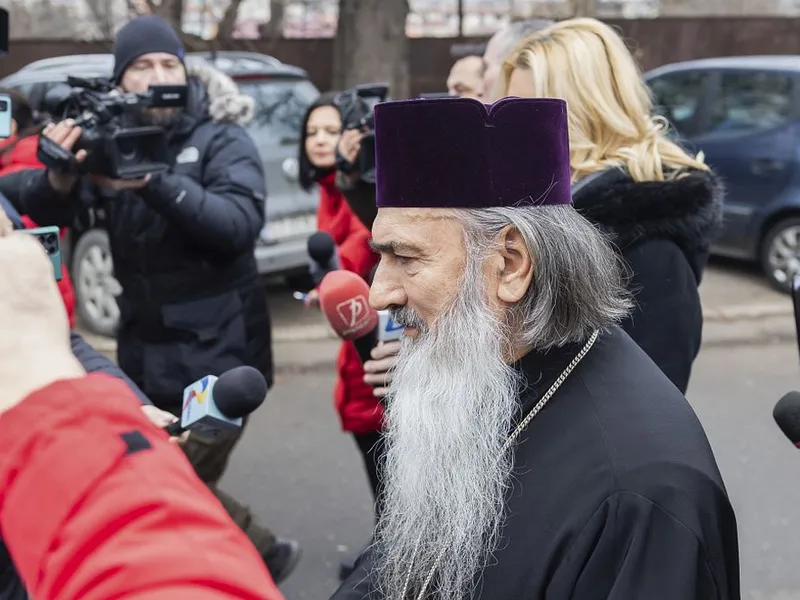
<point>355,105</point>
<point>113,149</point>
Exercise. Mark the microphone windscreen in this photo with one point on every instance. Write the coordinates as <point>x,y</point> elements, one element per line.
<point>344,300</point>
<point>240,391</point>
<point>787,416</point>
<point>321,247</point>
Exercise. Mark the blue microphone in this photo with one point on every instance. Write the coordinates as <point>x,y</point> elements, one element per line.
<point>388,330</point>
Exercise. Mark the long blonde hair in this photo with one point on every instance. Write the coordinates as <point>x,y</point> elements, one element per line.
<point>610,108</point>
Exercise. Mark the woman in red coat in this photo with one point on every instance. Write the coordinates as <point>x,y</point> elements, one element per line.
<point>18,153</point>
<point>359,410</point>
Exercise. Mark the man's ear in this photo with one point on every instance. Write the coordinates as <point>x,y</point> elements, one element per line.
<point>517,271</point>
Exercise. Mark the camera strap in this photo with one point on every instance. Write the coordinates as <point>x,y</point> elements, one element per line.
<point>54,157</point>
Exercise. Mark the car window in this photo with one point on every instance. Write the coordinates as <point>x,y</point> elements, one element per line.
<point>748,102</point>
<point>280,105</point>
<point>677,98</point>
<point>24,89</point>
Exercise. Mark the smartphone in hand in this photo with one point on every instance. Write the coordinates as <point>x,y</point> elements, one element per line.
<point>50,239</point>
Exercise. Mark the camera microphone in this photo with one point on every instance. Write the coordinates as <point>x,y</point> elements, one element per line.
<point>787,415</point>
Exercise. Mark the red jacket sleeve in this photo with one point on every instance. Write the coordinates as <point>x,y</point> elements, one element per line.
<point>97,503</point>
<point>354,253</point>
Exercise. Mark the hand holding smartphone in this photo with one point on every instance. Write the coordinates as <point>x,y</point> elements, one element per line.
<point>51,242</point>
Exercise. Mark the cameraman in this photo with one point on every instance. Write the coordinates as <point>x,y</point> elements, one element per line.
<point>182,242</point>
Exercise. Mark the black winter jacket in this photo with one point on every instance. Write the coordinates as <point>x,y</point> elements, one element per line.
<point>192,302</point>
<point>663,230</point>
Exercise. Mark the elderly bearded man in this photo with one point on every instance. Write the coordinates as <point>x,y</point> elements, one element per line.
<point>534,451</point>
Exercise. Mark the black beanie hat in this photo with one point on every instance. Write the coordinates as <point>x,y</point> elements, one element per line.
<point>143,35</point>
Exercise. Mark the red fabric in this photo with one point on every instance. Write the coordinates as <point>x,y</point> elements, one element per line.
<point>85,520</point>
<point>21,155</point>
<point>359,410</point>
<point>18,155</point>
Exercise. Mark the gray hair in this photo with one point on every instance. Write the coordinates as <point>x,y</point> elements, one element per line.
<point>516,31</point>
<point>578,278</point>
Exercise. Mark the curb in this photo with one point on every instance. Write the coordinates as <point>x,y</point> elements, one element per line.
<point>748,312</point>
<point>762,330</point>
<point>727,326</point>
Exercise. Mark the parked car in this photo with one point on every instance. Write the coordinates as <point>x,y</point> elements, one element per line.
<point>743,113</point>
<point>282,94</point>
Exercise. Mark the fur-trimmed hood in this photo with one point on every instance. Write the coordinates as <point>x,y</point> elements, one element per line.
<point>222,100</point>
<point>686,210</point>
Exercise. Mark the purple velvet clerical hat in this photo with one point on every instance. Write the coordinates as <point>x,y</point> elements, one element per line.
<point>461,153</point>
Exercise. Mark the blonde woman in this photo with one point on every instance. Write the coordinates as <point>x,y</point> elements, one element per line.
<point>660,205</point>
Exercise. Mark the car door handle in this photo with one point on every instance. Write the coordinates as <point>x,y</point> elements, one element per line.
<point>761,166</point>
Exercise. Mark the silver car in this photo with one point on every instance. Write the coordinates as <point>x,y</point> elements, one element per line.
<point>282,94</point>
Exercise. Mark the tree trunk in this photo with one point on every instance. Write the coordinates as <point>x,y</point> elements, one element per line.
<point>371,45</point>
<point>171,10</point>
<point>227,25</point>
<point>274,28</point>
<point>584,8</point>
<point>175,12</point>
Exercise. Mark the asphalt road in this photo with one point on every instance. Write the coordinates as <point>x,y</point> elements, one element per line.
<point>304,476</point>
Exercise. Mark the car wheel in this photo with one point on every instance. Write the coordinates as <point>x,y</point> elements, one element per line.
<point>780,253</point>
<point>96,288</point>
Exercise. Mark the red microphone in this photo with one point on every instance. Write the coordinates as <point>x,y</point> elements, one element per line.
<point>344,300</point>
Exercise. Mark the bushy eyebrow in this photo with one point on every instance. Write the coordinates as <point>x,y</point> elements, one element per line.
<point>393,247</point>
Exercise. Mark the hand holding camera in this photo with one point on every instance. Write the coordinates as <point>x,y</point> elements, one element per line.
<point>358,121</point>
<point>99,135</point>
<point>350,145</point>
<point>64,135</point>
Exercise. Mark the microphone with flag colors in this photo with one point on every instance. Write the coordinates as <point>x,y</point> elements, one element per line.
<point>215,405</point>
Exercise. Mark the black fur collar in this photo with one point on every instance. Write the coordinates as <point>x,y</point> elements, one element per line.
<point>687,211</point>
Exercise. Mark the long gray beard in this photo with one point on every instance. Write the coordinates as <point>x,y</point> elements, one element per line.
<point>449,414</point>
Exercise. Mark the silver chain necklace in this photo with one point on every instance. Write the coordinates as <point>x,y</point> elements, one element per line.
<point>509,442</point>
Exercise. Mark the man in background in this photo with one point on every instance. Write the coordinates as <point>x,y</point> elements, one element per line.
<point>500,46</point>
<point>466,78</point>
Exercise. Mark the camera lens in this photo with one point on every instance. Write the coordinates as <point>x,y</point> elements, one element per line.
<point>3,105</point>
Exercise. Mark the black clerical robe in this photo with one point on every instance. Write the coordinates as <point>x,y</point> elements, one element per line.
<point>616,493</point>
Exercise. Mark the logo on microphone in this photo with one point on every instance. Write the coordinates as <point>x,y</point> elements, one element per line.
<point>199,392</point>
<point>353,312</point>
<point>391,326</point>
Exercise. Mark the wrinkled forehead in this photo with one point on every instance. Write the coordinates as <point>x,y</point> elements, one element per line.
<point>424,228</point>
